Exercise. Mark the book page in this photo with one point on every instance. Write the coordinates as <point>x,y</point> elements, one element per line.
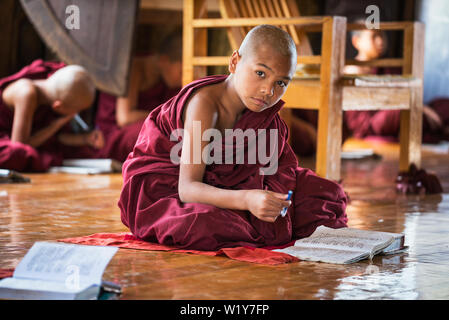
<point>348,239</point>
<point>324,255</point>
<point>74,265</point>
<point>39,285</point>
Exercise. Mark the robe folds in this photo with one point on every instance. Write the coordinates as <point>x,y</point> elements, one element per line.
<point>151,208</point>
<point>22,157</point>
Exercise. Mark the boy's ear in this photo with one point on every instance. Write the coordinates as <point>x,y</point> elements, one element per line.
<point>235,58</point>
<point>56,105</point>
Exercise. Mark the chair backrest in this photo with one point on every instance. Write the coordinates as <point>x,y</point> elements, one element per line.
<point>263,9</point>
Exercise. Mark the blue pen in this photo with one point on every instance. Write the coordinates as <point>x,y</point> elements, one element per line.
<point>284,210</point>
<point>81,122</point>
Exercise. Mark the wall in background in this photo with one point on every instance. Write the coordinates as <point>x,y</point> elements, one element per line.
<point>435,15</point>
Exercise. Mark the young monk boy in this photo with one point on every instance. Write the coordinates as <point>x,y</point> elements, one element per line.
<point>34,111</point>
<point>191,202</point>
<point>154,79</point>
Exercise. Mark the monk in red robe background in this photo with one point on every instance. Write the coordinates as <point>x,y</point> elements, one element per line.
<point>378,124</point>
<point>371,44</point>
<point>208,206</point>
<point>154,79</point>
<point>36,105</point>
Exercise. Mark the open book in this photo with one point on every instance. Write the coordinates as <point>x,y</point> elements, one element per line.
<point>345,245</point>
<point>59,271</point>
<point>88,166</point>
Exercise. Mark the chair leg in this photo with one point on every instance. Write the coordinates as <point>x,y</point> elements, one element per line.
<point>330,124</point>
<point>328,154</point>
<point>411,120</point>
<point>411,132</point>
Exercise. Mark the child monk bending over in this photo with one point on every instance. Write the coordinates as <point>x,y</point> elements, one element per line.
<point>34,108</point>
<point>230,183</point>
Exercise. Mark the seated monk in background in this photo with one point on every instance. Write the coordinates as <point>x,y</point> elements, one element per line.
<point>371,44</point>
<point>154,79</point>
<point>35,107</point>
<point>213,195</point>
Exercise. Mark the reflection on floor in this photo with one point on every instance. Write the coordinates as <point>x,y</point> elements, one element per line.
<point>56,206</point>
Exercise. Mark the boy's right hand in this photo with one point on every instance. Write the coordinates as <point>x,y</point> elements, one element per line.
<point>266,205</point>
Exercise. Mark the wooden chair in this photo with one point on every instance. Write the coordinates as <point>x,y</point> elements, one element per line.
<point>328,92</point>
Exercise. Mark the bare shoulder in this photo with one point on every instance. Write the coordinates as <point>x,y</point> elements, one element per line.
<point>19,90</point>
<point>202,106</point>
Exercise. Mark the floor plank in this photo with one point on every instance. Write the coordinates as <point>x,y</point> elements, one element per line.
<point>56,206</point>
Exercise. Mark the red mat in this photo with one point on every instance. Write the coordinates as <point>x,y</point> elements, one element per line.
<point>127,240</point>
<point>6,273</point>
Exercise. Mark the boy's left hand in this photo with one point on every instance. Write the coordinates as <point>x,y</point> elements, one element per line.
<point>266,205</point>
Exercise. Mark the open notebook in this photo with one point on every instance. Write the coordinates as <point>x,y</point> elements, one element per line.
<point>345,245</point>
<point>58,271</point>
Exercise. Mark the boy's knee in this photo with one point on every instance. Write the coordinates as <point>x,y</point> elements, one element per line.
<point>310,184</point>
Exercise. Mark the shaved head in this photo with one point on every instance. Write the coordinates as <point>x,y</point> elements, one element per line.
<point>73,87</point>
<point>268,35</point>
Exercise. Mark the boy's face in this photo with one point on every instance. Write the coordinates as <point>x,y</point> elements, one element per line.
<point>171,71</point>
<point>261,77</point>
<point>370,43</point>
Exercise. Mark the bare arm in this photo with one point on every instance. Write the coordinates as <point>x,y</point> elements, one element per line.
<point>265,205</point>
<point>126,107</point>
<point>22,96</point>
<point>94,139</point>
<point>44,134</point>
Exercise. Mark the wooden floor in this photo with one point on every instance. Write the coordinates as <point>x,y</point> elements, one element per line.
<point>56,206</point>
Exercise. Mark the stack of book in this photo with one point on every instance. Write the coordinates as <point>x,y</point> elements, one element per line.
<point>88,166</point>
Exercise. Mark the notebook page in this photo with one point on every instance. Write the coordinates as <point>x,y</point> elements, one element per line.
<point>346,239</point>
<point>74,265</point>
<point>39,285</point>
<point>323,254</point>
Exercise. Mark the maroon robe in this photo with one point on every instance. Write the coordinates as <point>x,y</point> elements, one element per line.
<point>302,142</point>
<point>385,124</point>
<point>150,204</point>
<point>119,142</point>
<point>22,157</point>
